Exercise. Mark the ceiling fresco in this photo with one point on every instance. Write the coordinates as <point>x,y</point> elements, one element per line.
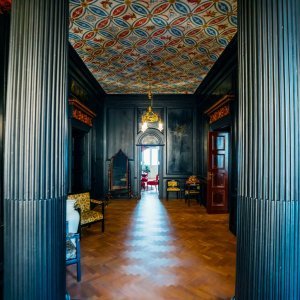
<point>182,39</point>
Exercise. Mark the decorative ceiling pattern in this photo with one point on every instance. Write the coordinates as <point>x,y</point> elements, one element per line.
<point>182,39</point>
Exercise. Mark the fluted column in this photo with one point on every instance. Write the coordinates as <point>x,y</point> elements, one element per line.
<point>268,241</point>
<point>35,151</point>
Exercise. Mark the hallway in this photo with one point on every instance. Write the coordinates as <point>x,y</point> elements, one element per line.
<point>156,249</point>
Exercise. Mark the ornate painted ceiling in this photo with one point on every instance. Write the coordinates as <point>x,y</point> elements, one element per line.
<point>182,39</point>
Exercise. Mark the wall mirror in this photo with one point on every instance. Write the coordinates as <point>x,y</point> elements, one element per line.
<point>119,176</point>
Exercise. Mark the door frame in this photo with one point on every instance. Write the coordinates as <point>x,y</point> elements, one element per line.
<point>87,136</point>
<point>157,140</point>
<point>228,188</point>
<point>160,158</point>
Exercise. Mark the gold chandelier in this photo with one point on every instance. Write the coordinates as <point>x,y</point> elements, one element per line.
<point>149,116</point>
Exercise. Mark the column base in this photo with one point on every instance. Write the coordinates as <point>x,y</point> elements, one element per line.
<point>268,248</point>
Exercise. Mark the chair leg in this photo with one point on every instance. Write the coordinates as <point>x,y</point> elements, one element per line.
<point>78,255</point>
<point>78,271</point>
<point>167,195</point>
<point>103,222</point>
<point>103,225</point>
<point>79,231</point>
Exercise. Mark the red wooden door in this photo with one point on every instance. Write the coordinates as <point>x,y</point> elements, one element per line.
<point>217,179</point>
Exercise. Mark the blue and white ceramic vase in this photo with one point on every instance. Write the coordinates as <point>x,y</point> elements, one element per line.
<point>72,216</point>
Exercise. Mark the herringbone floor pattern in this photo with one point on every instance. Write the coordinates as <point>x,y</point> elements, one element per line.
<point>154,249</point>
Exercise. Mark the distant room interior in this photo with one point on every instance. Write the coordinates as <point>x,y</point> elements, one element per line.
<point>149,149</point>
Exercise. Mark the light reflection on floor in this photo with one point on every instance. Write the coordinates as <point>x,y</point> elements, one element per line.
<point>150,242</point>
<point>156,250</point>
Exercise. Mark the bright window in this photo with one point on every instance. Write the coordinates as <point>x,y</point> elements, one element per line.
<point>154,157</point>
<point>147,157</point>
<point>150,157</point>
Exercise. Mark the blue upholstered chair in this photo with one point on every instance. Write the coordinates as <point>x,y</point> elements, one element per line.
<point>73,251</point>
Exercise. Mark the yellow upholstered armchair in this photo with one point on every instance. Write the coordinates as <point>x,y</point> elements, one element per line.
<point>173,186</point>
<point>86,207</point>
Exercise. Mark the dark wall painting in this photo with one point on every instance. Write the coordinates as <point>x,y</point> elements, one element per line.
<point>180,141</point>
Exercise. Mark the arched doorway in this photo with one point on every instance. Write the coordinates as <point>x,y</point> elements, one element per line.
<point>151,139</point>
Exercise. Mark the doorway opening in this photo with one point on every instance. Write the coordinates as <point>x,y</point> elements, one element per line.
<point>79,161</point>
<point>222,174</point>
<point>150,162</point>
<point>150,169</point>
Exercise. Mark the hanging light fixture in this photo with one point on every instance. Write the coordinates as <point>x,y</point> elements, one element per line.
<point>149,116</point>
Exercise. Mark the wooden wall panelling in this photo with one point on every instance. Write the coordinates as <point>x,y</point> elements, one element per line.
<point>195,161</point>
<point>87,173</point>
<point>162,102</point>
<point>209,92</point>
<point>70,155</point>
<point>120,131</point>
<point>158,100</point>
<point>87,90</point>
<point>219,73</point>
<point>80,73</point>
<point>97,186</point>
<point>135,177</point>
<point>233,166</point>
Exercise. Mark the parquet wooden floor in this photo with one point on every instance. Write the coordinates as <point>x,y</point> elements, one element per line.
<point>154,249</point>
